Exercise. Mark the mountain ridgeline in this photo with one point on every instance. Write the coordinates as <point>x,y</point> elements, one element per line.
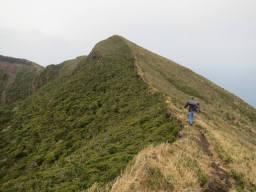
<point>110,121</point>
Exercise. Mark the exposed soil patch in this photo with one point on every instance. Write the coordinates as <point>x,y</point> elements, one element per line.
<point>9,69</point>
<point>219,180</point>
<point>222,174</point>
<point>215,186</point>
<point>204,144</point>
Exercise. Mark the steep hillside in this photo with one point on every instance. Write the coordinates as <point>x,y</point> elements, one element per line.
<point>216,154</point>
<point>16,76</point>
<point>20,78</point>
<point>84,129</point>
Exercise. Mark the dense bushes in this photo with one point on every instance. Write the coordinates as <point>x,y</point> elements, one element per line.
<point>83,130</point>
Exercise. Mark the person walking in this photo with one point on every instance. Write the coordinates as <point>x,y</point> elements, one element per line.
<point>193,106</point>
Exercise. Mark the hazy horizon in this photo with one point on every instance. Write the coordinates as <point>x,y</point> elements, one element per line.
<point>216,39</point>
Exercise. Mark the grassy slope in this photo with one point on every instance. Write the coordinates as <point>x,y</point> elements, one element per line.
<point>222,142</point>
<point>84,129</point>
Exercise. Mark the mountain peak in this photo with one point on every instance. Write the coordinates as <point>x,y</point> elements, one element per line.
<point>114,45</point>
<point>116,37</point>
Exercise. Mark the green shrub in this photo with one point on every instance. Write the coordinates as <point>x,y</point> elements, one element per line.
<point>155,180</point>
<point>202,178</point>
<point>85,128</point>
<point>239,178</point>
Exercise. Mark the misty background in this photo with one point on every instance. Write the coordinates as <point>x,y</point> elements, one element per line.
<point>215,38</point>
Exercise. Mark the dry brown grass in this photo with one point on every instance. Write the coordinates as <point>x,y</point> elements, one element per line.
<point>238,154</point>
<point>170,164</point>
<point>226,120</point>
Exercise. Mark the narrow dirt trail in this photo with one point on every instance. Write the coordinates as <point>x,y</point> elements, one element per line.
<point>220,179</point>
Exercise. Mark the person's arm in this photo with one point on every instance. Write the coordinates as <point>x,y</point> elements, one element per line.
<point>198,107</point>
<point>186,105</point>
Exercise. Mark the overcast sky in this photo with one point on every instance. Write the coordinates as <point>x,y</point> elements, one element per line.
<point>215,38</point>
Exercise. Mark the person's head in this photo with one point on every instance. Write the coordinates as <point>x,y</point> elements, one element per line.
<point>192,97</point>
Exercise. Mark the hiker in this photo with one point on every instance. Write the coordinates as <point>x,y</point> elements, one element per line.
<point>194,106</point>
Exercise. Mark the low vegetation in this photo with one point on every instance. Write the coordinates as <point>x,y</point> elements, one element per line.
<point>84,129</point>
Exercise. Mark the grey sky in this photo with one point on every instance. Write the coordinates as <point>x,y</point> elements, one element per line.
<point>215,38</point>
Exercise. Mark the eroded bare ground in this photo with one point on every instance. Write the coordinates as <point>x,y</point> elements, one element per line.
<point>10,70</point>
<point>220,179</point>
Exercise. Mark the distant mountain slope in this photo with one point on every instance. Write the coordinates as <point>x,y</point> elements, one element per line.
<point>76,131</point>
<point>16,76</point>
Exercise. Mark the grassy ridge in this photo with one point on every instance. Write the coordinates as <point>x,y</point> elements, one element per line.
<point>84,129</point>
<point>230,123</point>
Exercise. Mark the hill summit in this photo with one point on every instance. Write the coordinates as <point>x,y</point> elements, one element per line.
<point>115,121</point>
